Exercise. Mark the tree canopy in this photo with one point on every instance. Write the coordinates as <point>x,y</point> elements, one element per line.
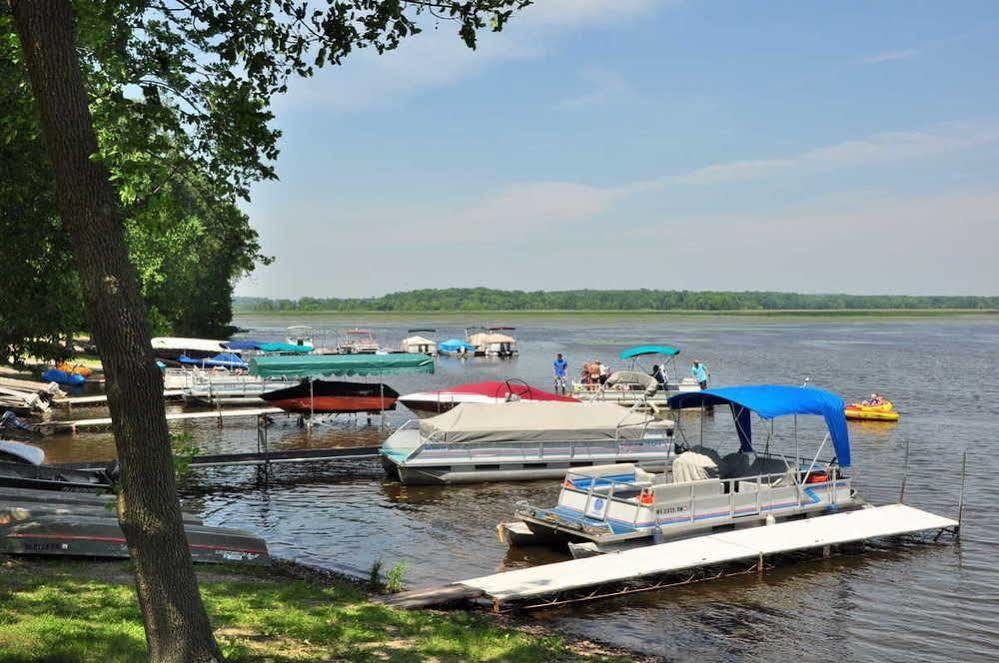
<point>487,299</point>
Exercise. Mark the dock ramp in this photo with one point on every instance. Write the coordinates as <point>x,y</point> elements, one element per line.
<point>752,544</point>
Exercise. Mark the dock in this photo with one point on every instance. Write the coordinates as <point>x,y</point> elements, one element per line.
<point>258,457</point>
<point>70,402</point>
<point>72,426</point>
<point>562,582</point>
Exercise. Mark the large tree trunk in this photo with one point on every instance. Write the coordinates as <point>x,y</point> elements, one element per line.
<point>177,627</point>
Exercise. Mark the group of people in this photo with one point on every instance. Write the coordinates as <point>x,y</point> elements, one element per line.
<point>874,401</point>
<point>596,373</point>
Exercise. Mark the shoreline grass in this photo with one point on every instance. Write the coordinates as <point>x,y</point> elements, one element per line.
<point>83,611</point>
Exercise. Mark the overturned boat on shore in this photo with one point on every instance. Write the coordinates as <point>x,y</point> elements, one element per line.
<point>522,440</point>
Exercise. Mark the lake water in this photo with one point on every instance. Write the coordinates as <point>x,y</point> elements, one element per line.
<point>925,602</point>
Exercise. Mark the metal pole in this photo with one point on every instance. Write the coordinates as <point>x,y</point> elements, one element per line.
<point>381,402</point>
<point>905,475</point>
<point>701,442</point>
<point>960,505</point>
<point>312,402</point>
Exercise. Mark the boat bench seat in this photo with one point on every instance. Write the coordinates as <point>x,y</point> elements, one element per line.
<point>680,492</point>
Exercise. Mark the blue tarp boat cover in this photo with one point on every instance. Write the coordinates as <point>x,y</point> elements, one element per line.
<point>304,366</point>
<point>222,360</point>
<point>770,401</point>
<point>649,350</point>
<point>62,377</point>
<point>455,345</point>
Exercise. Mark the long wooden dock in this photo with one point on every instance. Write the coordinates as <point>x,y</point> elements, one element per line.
<point>72,426</point>
<point>258,457</point>
<point>744,545</point>
<point>101,399</point>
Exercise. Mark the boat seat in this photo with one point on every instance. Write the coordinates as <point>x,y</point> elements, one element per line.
<point>765,465</point>
<point>734,465</point>
<point>680,492</point>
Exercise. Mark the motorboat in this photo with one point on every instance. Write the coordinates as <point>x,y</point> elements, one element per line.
<point>22,466</point>
<point>491,342</point>
<point>301,336</point>
<point>640,383</point>
<point>172,347</point>
<point>333,397</point>
<point>358,342</point>
<point>523,439</point>
<point>223,360</point>
<point>430,403</point>
<point>615,506</point>
<point>47,523</point>
<point>883,411</point>
<point>419,344</point>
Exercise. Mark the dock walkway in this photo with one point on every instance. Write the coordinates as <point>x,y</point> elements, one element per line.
<point>751,544</point>
<point>50,427</point>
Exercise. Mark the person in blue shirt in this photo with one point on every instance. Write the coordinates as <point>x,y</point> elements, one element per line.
<point>561,370</point>
<point>700,373</point>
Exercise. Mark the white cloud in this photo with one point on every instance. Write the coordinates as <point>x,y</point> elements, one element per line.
<point>891,56</point>
<point>438,58</point>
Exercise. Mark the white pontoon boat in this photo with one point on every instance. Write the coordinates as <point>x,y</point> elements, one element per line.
<point>639,383</point>
<point>614,506</point>
<point>523,440</point>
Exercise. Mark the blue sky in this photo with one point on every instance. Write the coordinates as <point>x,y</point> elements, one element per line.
<point>807,146</point>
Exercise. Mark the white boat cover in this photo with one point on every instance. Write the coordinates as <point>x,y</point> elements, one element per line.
<point>690,466</point>
<point>413,343</point>
<point>484,338</point>
<point>539,421</point>
<point>199,344</point>
<point>647,382</point>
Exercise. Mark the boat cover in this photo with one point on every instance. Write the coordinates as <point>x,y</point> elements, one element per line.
<point>223,360</point>
<point>199,344</point>
<point>264,346</point>
<point>417,340</point>
<point>484,338</point>
<point>455,344</point>
<point>770,401</point>
<point>647,382</point>
<point>538,421</point>
<point>502,389</point>
<point>352,364</point>
<point>649,350</point>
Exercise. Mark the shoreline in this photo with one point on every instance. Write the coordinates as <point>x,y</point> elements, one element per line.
<point>748,313</point>
<point>85,610</point>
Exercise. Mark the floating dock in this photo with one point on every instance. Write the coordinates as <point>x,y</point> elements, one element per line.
<point>51,427</point>
<point>676,557</point>
<point>101,399</point>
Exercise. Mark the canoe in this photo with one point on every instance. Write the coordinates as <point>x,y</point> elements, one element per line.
<point>860,412</point>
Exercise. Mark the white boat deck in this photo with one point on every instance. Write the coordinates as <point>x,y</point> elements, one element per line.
<point>733,546</point>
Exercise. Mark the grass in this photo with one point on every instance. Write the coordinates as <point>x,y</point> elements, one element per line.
<point>86,611</point>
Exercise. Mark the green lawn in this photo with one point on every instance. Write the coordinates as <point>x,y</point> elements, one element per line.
<point>86,611</point>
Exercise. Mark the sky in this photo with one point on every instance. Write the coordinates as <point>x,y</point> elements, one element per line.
<point>671,144</point>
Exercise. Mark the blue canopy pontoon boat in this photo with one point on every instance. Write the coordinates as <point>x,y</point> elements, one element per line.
<point>456,346</point>
<point>702,490</point>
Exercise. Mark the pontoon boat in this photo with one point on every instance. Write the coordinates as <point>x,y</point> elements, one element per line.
<point>648,384</point>
<point>523,440</point>
<point>489,342</point>
<point>358,342</point>
<point>614,506</point>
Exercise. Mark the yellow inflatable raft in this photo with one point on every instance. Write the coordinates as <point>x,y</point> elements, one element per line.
<point>884,412</point>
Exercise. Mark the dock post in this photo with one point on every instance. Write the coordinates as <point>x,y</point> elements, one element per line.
<point>960,504</point>
<point>905,475</point>
<point>760,566</point>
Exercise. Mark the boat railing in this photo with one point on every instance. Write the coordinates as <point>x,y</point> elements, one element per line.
<point>630,492</point>
<point>538,451</point>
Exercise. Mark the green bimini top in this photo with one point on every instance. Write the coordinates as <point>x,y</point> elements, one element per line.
<point>649,350</point>
<point>307,366</point>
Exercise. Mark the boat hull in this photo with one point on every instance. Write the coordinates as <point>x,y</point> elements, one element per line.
<point>333,397</point>
<point>869,414</point>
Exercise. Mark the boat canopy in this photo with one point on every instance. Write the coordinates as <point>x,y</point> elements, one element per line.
<point>484,338</point>
<point>417,340</point>
<point>456,344</point>
<point>642,350</point>
<point>222,360</point>
<point>538,421</point>
<point>353,364</point>
<point>265,346</point>
<point>771,401</point>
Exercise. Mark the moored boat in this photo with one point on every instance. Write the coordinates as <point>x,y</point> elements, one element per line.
<point>430,403</point>
<point>522,440</point>
<point>418,344</point>
<point>358,342</point>
<point>614,506</point>
<point>649,384</point>
<point>455,347</point>
<point>333,397</point>
<point>490,342</point>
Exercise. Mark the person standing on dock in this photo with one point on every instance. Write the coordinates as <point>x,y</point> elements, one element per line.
<point>700,373</point>
<point>561,367</point>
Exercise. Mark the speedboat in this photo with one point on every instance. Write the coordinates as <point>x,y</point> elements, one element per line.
<point>523,439</point>
<point>44,522</point>
<point>430,403</point>
<point>885,411</point>
<point>333,397</point>
<point>615,506</point>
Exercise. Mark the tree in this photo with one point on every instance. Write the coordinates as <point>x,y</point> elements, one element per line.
<point>237,52</point>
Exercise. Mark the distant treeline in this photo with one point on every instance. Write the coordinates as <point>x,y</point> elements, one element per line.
<point>487,299</point>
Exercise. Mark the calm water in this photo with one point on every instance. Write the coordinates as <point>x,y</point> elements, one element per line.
<point>931,602</point>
